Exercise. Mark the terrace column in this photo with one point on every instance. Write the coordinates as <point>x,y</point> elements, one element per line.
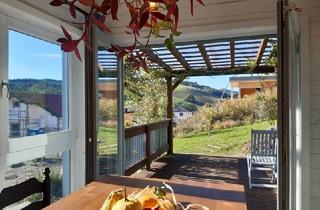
<point>170,113</point>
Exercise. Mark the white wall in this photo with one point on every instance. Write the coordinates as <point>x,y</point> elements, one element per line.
<point>185,115</point>
<point>313,11</point>
<point>49,121</point>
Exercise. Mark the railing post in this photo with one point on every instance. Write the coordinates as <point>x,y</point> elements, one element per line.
<point>148,147</point>
<point>170,137</point>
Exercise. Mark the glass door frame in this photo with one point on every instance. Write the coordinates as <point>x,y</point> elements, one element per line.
<point>92,109</point>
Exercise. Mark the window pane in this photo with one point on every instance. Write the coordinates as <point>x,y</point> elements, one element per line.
<point>37,86</point>
<point>21,172</point>
<point>107,150</point>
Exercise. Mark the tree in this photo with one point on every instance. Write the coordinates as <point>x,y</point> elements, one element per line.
<point>145,92</point>
<point>190,98</point>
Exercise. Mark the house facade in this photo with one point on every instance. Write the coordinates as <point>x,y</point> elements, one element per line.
<point>249,85</point>
<point>181,113</point>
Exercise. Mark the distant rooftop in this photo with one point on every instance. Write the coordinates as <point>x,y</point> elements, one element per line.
<point>254,78</point>
<point>180,109</point>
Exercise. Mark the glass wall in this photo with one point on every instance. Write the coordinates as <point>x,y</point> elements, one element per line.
<point>36,86</point>
<point>107,87</point>
<point>20,172</point>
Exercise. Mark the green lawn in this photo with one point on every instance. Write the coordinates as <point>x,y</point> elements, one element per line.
<point>231,141</point>
<point>108,141</point>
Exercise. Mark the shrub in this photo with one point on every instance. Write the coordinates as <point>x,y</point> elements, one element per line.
<point>231,113</point>
<point>108,112</point>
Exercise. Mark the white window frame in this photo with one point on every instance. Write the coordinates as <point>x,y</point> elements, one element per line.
<point>22,18</point>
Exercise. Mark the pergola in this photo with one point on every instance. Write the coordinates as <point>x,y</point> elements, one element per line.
<point>202,58</point>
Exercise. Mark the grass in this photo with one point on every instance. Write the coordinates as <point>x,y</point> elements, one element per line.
<point>108,141</point>
<point>224,142</point>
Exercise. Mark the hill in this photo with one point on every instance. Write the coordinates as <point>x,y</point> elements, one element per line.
<point>43,86</point>
<point>191,95</point>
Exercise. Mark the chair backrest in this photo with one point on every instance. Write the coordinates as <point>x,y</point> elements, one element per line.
<point>263,143</point>
<point>16,193</point>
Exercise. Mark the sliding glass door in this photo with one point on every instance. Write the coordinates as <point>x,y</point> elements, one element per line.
<point>108,108</point>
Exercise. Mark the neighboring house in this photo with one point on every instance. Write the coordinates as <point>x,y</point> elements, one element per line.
<point>252,84</point>
<point>32,114</point>
<point>181,113</point>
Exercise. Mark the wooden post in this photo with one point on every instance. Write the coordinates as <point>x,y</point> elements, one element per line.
<point>148,148</point>
<point>170,114</point>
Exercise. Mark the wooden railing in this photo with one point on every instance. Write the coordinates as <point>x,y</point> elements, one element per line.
<point>145,143</point>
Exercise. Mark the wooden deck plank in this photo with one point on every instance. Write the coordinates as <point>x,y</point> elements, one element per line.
<point>210,169</point>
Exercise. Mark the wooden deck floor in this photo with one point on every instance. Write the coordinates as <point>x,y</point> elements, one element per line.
<point>212,169</point>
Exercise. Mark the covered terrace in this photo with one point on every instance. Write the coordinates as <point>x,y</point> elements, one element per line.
<point>145,144</point>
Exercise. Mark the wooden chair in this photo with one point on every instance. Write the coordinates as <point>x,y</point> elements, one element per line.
<point>16,193</point>
<point>263,156</point>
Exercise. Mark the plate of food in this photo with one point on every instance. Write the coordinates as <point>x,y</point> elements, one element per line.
<point>149,198</point>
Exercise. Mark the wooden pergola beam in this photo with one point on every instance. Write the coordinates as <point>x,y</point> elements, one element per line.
<point>177,82</point>
<point>232,53</point>
<point>262,48</point>
<point>226,71</point>
<point>155,58</point>
<point>205,56</point>
<point>175,52</point>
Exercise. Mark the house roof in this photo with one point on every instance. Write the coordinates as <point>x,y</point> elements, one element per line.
<point>50,102</point>
<point>253,81</point>
<point>180,109</point>
<point>254,78</point>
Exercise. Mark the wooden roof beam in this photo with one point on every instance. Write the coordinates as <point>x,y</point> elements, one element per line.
<point>205,56</point>
<point>232,53</point>
<point>175,52</point>
<point>155,58</point>
<point>226,71</point>
<point>262,48</point>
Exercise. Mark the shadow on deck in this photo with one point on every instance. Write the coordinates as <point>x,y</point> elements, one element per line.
<point>212,169</point>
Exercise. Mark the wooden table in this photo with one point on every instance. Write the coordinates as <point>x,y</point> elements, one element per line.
<point>215,196</point>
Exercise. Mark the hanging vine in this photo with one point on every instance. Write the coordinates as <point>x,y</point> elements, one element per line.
<point>153,15</point>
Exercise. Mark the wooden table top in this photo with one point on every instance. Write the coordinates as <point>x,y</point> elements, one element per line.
<point>215,196</point>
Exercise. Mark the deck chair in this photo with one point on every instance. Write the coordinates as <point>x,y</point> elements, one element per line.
<point>263,157</point>
<point>16,193</point>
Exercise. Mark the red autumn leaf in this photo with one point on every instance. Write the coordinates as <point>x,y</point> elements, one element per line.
<point>66,33</point>
<point>76,51</point>
<point>86,2</point>
<point>158,15</point>
<point>72,9</point>
<point>171,11</point>
<point>143,19</point>
<point>201,2</point>
<point>69,45</point>
<point>101,24</point>
<point>176,19</point>
<point>191,6</point>
<point>114,9</point>
<point>56,3</point>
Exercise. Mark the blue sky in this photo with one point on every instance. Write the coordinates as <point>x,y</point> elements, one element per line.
<point>30,57</point>
<point>218,82</point>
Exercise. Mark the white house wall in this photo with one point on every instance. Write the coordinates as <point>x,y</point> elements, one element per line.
<point>49,121</point>
<point>312,9</point>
